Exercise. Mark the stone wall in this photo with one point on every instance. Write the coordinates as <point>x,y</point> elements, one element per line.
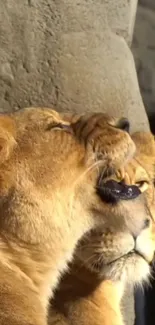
<point>143,48</point>
<point>70,54</point>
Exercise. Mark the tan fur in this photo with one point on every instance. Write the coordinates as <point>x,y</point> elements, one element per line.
<point>49,167</point>
<point>104,260</point>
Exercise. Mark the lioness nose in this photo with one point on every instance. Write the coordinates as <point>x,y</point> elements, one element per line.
<point>123,124</point>
<point>146,223</point>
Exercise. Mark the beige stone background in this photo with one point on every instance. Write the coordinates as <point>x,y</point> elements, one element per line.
<point>70,53</point>
<point>143,48</point>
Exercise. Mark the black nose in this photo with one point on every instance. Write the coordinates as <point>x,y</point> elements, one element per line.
<point>146,223</point>
<point>123,124</point>
<point>112,191</point>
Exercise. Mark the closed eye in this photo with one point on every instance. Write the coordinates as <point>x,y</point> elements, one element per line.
<point>59,126</point>
<point>143,185</point>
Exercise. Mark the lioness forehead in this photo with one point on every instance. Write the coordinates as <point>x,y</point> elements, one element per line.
<point>145,143</point>
<point>29,118</point>
<point>36,115</point>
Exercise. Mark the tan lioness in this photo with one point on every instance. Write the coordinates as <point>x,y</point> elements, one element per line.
<point>49,169</point>
<point>108,259</point>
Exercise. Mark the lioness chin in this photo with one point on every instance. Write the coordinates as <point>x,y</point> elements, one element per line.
<point>49,167</point>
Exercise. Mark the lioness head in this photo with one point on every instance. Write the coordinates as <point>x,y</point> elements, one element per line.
<point>49,166</point>
<point>122,252</point>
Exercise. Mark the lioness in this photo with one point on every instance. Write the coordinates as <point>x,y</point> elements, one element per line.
<point>49,169</point>
<point>106,260</point>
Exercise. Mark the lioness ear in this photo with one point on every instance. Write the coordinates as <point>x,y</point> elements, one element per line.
<point>7,137</point>
<point>144,142</point>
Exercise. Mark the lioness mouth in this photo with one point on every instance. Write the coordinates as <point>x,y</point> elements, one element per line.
<point>112,191</point>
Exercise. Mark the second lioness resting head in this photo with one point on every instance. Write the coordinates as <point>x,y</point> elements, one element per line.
<point>108,258</point>
<point>49,167</point>
<point>119,254</point>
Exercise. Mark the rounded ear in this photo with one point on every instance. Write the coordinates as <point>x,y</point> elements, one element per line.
<point>145,143</point>
<point>7,137</point>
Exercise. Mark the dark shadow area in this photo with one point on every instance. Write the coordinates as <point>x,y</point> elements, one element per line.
<point>140,307</point>
<point>152,124</point>
<point>145,304</point>
<point>150,303</point>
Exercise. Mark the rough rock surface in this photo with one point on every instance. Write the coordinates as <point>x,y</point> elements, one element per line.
<point>69,54</point>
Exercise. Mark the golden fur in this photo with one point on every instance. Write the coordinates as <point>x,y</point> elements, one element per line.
<point>106,260</point>
<point>49,167</point>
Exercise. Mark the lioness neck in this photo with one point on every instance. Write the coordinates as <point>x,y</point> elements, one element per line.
<point>110,293</point>
<point>25,279</point>
<point>40,267</point>
<point>20,303</point>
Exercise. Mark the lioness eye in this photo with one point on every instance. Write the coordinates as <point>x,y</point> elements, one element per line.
<point>143,185</point>
<point>59,126</point>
